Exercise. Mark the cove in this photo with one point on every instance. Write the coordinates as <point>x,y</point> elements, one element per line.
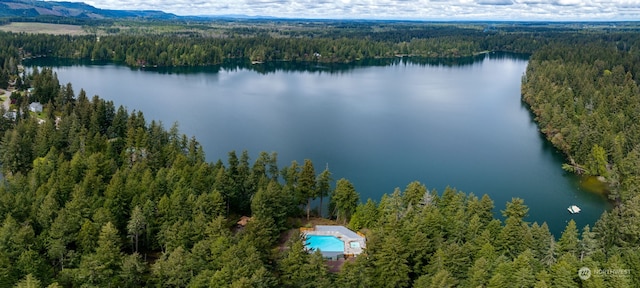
<point>379,123</point>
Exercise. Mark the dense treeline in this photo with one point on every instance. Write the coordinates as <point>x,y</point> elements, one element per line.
<point>587,101</point>
<point>192,49</point>
<point>9,60</point>
<point>96,197</point>
<point>421,239</point>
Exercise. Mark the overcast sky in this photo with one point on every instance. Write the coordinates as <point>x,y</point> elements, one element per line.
<point>567,10</point>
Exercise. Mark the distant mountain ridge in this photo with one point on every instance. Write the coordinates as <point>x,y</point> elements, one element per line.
<point>79,10</point>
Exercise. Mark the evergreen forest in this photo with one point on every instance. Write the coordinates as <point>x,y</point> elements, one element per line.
<point>95,195</point>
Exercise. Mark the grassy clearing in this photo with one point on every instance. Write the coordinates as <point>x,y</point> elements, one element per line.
<point>43,28</point>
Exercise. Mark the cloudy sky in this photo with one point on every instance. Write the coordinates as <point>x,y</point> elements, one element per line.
<point>568,10</point>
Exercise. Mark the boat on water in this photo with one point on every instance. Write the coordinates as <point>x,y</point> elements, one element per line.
<point>573,209</point>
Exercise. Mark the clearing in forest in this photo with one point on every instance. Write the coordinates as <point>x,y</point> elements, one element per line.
<point>43,28</point>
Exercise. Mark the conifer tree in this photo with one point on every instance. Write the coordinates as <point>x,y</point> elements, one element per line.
<point>323,187</point>
<point>102,268</point>
<point>29,281</point>
<point>391,265</point>
<point>569,242</point>
<point>307,185</point>
<point>345,200</point>
<point>291,266</point>
<point>136,225</point>
<point>414,193</point>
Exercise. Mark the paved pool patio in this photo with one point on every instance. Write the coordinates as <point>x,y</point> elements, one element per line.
<point>354,243</point>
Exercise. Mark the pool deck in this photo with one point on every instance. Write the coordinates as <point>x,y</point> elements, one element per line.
<point>347,236</point>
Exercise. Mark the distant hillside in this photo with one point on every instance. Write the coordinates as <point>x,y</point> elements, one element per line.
<point>26,8</point>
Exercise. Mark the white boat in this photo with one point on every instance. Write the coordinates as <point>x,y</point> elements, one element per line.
<point>573,209</point>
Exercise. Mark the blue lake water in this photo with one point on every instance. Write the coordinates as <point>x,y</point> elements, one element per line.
<point>380,124</point>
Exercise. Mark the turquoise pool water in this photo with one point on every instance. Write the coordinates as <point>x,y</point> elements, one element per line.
<point>324,243</point>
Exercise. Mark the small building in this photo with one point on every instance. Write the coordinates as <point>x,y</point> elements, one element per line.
<point>243,221</point>
<point>11,115</point>
<point>35,107</point>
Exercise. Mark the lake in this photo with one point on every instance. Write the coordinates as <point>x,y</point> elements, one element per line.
<point>380,123</point>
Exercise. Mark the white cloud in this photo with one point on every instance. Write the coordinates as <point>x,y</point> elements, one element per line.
<point>494,2</point>
<point>567,2</point>
<point>396,9</point>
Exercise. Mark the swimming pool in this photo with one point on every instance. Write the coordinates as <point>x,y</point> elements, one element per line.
<point>324,243</point>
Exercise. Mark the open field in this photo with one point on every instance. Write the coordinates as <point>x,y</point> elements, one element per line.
<point>43,28</point>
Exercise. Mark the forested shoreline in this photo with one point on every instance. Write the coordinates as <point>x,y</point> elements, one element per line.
<point>587,102</point>
<point>338,45</point>
<point>98,196</point>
